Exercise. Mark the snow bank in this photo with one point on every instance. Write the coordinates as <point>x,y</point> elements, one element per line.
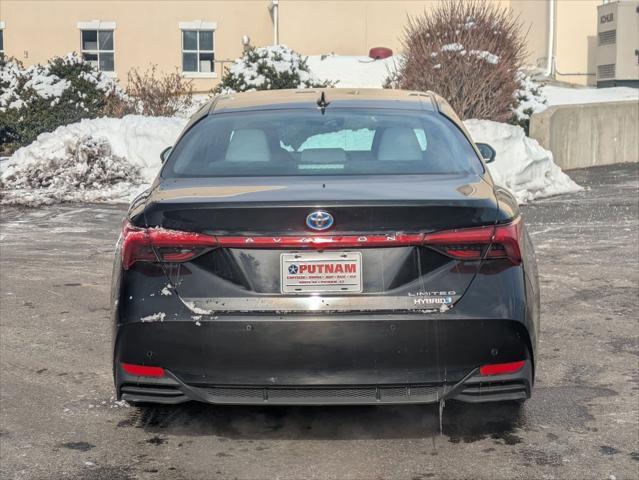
<point>521,165</point>
<point>105,159</point>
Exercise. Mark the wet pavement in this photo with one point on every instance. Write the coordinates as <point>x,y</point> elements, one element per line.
<point>58,418</point>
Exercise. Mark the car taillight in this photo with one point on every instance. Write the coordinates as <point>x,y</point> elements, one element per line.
<point>162,245</point>
<point>492,242</point>
<point>501,368</point>
<point>142,370</point>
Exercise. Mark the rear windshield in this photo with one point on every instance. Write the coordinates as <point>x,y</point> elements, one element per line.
<point>305,142</point>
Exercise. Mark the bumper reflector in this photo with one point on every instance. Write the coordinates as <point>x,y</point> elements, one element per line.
<point>143,370</point>
<point>501,368</point>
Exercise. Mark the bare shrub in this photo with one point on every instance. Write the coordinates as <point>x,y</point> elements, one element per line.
<point>467,51</point>
<point>118,107</point>
<point>156,94</point>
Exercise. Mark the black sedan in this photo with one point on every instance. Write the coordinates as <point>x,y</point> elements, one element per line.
<point>325,247</point>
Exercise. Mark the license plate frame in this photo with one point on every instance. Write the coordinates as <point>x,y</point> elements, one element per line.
<point>303,280</point>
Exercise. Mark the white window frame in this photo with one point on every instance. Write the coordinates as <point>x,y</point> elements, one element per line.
<point>98,25</point>
<point>2,30</point>
<point>197,25</point>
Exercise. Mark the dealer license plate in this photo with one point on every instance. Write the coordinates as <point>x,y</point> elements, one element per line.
<point>315,272</point>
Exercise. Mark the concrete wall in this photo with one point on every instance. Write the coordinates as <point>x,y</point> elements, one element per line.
<point>589,135</point>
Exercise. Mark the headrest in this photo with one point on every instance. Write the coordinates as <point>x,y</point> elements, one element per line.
<point>248,145</point>
<point>399,143</point>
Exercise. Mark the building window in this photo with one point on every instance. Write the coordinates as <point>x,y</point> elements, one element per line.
<point>198,48</point>
<point>97,44</point>
<point>1,38</point>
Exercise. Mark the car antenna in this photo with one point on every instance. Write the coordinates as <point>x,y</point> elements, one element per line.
<point>322,103</point>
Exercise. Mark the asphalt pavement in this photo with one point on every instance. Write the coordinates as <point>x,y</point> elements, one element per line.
<point>58,417</point>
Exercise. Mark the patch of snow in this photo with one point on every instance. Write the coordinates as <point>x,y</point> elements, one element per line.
<point>557,95</point>
<point>200,311</point>
<point>452,47</point>
<point>352,71</point>
<point>484,55</point>
<point>470,23</point>
<point>165,291</point>
<point>156,317</point>
<point>47,85</point>
<point>118,403</point>
<point>521,165</point>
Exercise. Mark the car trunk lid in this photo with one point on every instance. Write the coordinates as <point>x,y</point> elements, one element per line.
<point>381,224</point>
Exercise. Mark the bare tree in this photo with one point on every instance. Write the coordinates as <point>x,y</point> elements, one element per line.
<point>467,51</point>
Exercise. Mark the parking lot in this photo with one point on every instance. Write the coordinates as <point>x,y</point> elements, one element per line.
<point>59,418</point>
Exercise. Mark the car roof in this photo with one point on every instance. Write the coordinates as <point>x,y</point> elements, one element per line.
<point>336,97</point>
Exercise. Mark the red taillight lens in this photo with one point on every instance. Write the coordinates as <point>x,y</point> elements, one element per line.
<point>142,370</point>
<point>501,241</point>
<point>501,368</point>
<point>161,245</point>
<point>506,242</point>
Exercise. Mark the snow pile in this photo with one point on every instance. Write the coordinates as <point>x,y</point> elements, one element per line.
<point>521,164</point>
<point>89,163</point>
<point>105,159</point>
<point>352,71</point>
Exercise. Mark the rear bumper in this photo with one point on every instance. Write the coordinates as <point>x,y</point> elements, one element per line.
<point>473,388</point>
<point>322,360</point>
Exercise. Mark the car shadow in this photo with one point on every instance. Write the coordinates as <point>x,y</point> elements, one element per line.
<point>460,422</point>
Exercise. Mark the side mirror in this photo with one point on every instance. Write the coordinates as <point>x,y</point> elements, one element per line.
<point>165,153</point>
<point>488,153</point>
